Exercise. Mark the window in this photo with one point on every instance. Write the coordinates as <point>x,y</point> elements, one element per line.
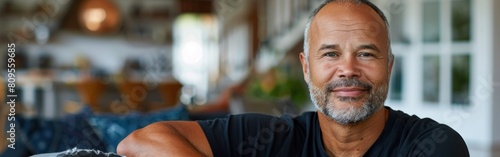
<point>397,25</point>
<point>396,84</point>
<point>433,52</point>
<point>430,28</point>
<point>461,20</point>
<point>446,68</point>
<point>460,79</point>
<point>430,78</point>
<point>195,52</point>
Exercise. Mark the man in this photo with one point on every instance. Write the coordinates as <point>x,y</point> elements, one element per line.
<point>347,64</point>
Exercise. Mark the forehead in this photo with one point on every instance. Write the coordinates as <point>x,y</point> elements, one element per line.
<point>360,19</point>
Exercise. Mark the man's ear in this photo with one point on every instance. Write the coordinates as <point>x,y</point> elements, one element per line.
<point>305,68</point>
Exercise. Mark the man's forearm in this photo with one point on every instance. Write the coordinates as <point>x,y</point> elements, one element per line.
<point>158,139</point>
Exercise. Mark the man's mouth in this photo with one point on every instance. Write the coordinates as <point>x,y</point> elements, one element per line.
<point>349,91</point>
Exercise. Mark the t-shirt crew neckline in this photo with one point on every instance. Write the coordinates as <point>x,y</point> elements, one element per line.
<point>380,141</point>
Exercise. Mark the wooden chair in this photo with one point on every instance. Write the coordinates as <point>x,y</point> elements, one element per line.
<point>170,93</point>
<point>90,91</point>
<point>135,93</point>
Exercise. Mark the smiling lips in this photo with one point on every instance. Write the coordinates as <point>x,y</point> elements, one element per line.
<point>349,91</point>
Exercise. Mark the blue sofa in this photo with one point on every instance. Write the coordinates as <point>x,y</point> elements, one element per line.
<point>84,130</point>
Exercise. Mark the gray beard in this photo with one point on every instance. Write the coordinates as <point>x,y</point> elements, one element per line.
<point>351,114</point>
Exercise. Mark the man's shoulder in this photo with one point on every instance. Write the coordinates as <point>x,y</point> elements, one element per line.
<point>412,124</point>
<point>412,121</point>
<point>414,127</point>
<point>425,136</point>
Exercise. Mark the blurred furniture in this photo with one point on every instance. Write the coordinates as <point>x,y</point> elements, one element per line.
<point>84,130</point>
<point>170,93</point>
<point>3,113</point>
<point>133,94</point>
<point>90,91</point>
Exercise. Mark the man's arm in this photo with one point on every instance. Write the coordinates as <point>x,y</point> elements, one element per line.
<point>166,139</point>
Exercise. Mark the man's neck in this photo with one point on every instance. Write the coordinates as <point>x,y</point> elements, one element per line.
<point>351,139</point>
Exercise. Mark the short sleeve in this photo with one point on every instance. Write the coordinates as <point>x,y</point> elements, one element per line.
<point>247,135</point>
<point>440,141</point>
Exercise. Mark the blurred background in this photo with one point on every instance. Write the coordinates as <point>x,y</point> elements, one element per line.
<point>88,72</point>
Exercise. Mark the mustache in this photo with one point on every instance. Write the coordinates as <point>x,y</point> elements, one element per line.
<point>354,82</point>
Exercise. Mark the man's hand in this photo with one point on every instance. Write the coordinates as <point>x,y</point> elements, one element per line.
<point>166,139</point>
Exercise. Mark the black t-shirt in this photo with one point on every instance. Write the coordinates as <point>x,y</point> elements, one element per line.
<point>263,135</point>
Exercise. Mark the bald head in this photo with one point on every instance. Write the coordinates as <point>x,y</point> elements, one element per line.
<point>363,15</point>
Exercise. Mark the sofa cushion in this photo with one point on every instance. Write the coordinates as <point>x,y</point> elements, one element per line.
<point>113,128</point>
<point>40,135</point>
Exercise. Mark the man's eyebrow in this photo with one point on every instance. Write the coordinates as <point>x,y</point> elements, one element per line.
<point>369,46</point>
<point>328,46</point>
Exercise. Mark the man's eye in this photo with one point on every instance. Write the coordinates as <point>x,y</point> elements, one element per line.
<point>331,54</point>
<point>365,55</point>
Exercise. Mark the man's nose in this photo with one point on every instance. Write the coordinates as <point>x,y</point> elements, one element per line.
<point>348,68</point>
